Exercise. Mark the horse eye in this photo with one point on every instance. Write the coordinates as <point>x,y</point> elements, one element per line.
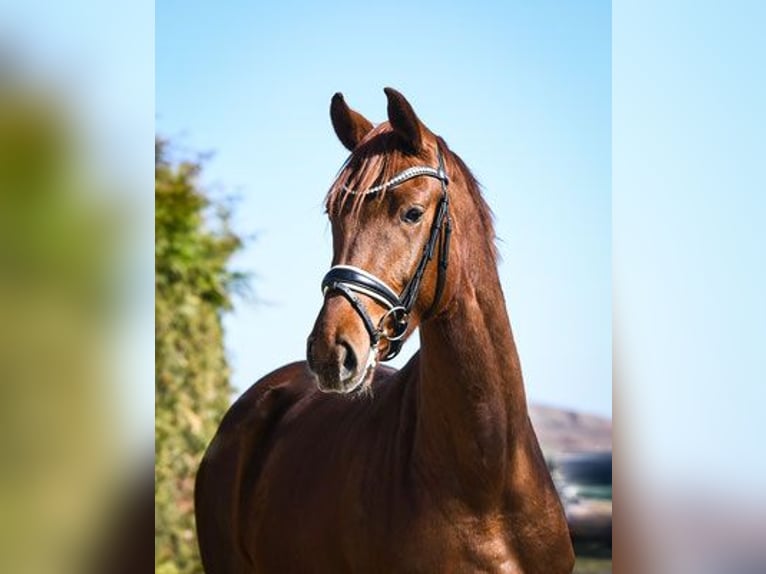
<point>413,214</point>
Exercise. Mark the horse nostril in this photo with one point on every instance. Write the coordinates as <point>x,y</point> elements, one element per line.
<point>346,359</point>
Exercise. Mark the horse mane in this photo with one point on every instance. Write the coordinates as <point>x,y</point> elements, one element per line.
<point>378,158</point>
<point>486,217</point>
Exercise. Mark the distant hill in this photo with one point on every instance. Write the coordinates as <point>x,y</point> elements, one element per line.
<point>567,431</point>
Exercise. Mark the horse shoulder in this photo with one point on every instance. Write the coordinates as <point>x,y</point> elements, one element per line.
<point>233,460</point>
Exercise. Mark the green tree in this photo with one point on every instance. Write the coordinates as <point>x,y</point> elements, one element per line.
<point>193,287</point>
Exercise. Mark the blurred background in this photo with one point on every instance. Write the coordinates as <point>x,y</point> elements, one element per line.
<point>76,109</point>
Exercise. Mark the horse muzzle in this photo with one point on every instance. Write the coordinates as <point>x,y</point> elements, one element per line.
<point>338,350</point>
<point>335,367</point>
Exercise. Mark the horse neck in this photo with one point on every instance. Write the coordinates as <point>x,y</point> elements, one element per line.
<point>472,412</point>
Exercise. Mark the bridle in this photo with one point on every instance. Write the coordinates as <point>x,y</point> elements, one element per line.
<point>347,279</point>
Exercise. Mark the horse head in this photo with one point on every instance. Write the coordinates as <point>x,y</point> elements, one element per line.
<point>389,210</point>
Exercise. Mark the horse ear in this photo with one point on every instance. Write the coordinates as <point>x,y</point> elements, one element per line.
<point>350,126</point>
<point>403,120</point>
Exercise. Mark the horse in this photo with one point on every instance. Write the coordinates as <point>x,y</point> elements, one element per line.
<point>339,464</point>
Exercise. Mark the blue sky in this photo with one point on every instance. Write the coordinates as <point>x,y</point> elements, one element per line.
<point>522,91</point>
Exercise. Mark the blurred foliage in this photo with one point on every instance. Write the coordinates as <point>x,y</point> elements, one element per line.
<point>59,253</point>
<point>593,566</point>
<point>193,286</point>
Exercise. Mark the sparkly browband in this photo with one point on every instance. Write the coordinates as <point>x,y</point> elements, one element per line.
<point>400,178</point>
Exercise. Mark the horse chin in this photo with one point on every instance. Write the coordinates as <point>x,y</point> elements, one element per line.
<point>343,389</point>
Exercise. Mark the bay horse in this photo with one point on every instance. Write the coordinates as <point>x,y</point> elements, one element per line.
<point>337,464</point>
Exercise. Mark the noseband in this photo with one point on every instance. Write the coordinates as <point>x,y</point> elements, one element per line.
<point>347,279</point>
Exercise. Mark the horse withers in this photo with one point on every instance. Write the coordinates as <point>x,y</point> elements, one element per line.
<point>338,464</point>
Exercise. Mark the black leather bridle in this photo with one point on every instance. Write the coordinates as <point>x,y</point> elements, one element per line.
<point>347,279</point>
